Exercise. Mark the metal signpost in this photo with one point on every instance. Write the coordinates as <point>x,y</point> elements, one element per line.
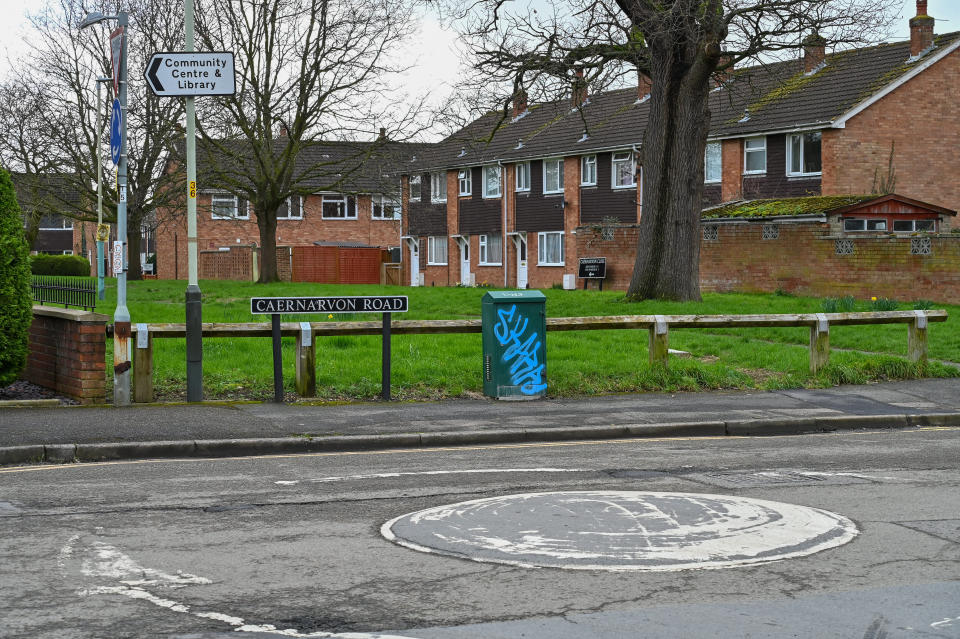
<point>188,74</point>
<point>275,306</point>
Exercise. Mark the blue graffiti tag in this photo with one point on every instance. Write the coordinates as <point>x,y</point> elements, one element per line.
<point>526,369</point>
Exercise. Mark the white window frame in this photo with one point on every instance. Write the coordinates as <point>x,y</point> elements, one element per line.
<point>522,178</point>
<point>718,146</point>
<point>433,242</point>
<point>383,200</point>
<point>292,217</point>
<point>559,164</point>
<point>588,170</point>
<point>63,226</point>
<point>865,224</point>
<point>438,184</point>
<point>416,183</point>
<point>338,197</point>
<point>223,197</point>
<point>913,226</point>
<point>802,137</point>
<point>541,246</point>
<point>465,182</point>
<point>625,156</point>
<point>488,257</point>
<point>488,172</point>
<point>756,150</point>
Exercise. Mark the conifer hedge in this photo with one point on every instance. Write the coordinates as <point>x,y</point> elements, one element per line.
<point>15,298</point>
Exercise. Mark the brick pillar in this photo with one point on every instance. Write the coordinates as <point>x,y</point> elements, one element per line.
<point>732,173</point>
<point>571,213</point>
<point>68,353</point>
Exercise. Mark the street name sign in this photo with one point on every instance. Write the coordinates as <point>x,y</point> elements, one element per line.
<point>592,267</point>
<point>116,131</point>
<point>188,73</point>
<point>349,304</point>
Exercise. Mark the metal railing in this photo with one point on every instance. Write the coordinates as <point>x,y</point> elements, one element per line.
<point>69,291</point>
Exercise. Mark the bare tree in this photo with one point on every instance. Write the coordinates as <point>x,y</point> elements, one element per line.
<point>679,45</point>
<point>307,70</point>
<point>61,72</point>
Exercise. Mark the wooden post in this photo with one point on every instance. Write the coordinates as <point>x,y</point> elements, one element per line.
<point>143,366</point>
<point>819,344</point>
<point>306,361</point>
<point>917,338</point>
<point>659,343</point>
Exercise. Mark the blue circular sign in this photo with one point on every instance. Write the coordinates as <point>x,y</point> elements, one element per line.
<point>116,132</point>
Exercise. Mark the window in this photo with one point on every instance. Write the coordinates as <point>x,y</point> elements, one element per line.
<point>910,226</point>
<point>223,206</point>
<point>755,155</point>
<point>465,182</point>
<point>553,175</point>
<point>438,187</point>
<point>385,208</point>
<point>588,170</point>
<point>291,209</point>
<point>624,170</point>
<point>55,223</point>
<point>712,163</point>
<point>803,154</point>
<point>436,250</point>
<point>416,189</point>
<point>550,249</point>
<point>491,181</point>
<point>491,249</point>
<point>338,206</point>
<point>854,224</point>
<point>523,176</point>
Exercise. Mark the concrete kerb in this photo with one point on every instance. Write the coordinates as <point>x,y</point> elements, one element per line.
<point>68,453</point>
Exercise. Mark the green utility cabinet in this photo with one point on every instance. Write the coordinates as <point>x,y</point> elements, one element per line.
<point>514,344</point>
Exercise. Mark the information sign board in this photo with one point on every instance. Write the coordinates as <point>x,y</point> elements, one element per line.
<point>592,268</point>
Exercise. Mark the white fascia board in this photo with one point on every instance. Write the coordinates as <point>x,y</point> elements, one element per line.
<point>841,122</point>
<point>800,128</point>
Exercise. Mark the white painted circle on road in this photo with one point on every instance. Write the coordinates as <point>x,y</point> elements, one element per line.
<point>621,530</point>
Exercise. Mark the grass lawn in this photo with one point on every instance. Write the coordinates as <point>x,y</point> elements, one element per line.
<point>578,363</point>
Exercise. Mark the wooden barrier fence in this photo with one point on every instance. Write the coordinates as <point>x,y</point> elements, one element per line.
<point>658,327</point>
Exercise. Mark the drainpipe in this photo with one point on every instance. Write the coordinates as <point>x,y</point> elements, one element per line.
<point>503,233</point>
<point>636,153</point>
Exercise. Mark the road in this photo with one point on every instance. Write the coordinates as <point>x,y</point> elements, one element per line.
<point>294,545</point>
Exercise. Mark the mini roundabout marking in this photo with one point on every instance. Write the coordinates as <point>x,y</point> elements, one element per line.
<point>621,530</point>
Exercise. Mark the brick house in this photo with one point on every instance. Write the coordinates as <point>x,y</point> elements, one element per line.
<point>515,200</point>
<point>46,198</point>
<point>363,210</point>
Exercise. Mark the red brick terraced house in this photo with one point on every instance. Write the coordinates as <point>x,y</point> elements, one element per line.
<point>515,201</point>
<point>363,210</point>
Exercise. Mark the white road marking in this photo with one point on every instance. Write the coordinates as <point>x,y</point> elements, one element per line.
<point>946,623</point>
<point>105,562</point>
<point>478,471</point>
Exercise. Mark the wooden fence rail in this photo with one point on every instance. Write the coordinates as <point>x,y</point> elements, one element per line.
<point>658,327</point>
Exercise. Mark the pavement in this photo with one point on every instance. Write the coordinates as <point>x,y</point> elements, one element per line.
<point>65,434</point>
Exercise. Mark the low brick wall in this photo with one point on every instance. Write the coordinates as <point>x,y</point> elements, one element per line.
<point>803,260</point>
<point>68,353</point>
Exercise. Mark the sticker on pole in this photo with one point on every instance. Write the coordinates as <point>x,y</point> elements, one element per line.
<point>117,257</point>
<point>116,132</point>
<point>187,73</point>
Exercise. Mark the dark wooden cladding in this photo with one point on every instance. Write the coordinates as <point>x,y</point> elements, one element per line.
<point>425,217</point>
<point>536,211</point>
<point>480,216</point>
<point>712,195</point>
<point>776,184</point>
<point>603,201</point>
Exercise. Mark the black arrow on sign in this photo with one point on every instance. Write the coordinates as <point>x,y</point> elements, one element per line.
<point>152,75</point>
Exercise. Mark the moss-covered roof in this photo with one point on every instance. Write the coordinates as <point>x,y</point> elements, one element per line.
<point>786,207</point>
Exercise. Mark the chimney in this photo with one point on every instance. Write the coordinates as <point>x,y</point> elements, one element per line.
<point>723,71</point>
<point>814,51</point>
<point>579,93</point>
<point>921,30</point>
<point>383,134</point>
<point>519,102</point>
<point>644,85</point>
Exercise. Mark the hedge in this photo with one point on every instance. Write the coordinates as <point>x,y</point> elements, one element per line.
<point>59,265</point>
<point>15,298</point>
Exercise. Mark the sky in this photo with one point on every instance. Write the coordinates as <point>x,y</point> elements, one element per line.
<point>434,54</point>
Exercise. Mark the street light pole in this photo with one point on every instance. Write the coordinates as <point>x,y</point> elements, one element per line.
<point>100,269</point>
<point>194,308</point>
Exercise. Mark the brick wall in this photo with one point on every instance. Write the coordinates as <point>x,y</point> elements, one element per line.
<point>68,353</point>
<point>915,119</point>
<point>801,260</point>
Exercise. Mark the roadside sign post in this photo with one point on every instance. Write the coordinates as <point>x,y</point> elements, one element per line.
<point>592,268</point>
<point>276,306</point>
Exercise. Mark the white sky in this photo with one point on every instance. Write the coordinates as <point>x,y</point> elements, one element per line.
<point>434,54</point>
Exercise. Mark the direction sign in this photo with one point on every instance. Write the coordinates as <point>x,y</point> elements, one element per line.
<point>116,55</point>
<point>116,132</point>
<point>188,73</point>
<point>592,267</point>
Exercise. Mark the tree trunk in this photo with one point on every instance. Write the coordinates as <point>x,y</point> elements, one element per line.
<point>668,247</point>
<point>267,223</point>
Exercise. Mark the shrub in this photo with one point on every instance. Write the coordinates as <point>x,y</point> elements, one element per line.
<point>923,305</point>
<point>59,265</point>
<point>883,304</point>
<point>839,304</point>
<point>15,298</point>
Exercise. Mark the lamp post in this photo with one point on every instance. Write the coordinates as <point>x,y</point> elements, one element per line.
<point>100,269</point>
<point>121,316</point>
<point>193,299</point>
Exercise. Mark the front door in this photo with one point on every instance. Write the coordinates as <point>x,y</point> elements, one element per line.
<point>521,244</point>
<point>414,262</point>
<point>465,260</point>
